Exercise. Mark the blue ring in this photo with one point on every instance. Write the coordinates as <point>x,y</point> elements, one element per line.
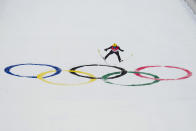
<point>8,70</point>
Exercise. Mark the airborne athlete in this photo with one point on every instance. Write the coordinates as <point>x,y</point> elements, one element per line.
<point>114,49</point>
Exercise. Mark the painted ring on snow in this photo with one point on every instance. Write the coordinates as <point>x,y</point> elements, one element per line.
<point>188,73</point>
<point>41,77</point>
<point>105,78</point>
<point>8,70</point>
<point>123,71</point>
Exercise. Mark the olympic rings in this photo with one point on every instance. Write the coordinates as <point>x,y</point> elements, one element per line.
<point>105,78</point>
<point>8,70</point>
<point>189,74</point>
<point>40,76</point>
<point>123,71</point>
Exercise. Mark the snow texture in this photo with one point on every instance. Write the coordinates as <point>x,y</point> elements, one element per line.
<point>192,4</point>
<point>66,34</point>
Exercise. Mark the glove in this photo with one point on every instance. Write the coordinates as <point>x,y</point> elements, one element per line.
<point>122,50</point>
<point>105,49</point>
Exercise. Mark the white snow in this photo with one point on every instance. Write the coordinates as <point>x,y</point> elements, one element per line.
<point>66,34</point>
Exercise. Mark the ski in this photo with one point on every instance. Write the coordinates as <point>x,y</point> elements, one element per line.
<point>99,52</point>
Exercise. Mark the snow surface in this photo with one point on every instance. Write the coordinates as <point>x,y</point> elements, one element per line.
<point>67,33</point>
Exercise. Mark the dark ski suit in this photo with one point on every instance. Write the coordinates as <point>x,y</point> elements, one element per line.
<point>114,50</point>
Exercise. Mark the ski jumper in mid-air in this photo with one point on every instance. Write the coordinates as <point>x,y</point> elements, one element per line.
<point>114,50</point>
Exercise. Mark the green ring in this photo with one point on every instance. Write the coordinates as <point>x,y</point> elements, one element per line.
<point>105,78</point>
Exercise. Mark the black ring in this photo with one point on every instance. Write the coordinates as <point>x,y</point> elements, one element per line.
<point>123,71</point>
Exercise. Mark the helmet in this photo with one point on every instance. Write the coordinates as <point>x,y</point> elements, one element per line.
<point>114,45</point>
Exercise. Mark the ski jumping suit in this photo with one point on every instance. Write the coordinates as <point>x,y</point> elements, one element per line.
<point>114,50</point>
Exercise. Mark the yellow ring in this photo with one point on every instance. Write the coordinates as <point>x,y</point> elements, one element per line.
<point>40,76</point>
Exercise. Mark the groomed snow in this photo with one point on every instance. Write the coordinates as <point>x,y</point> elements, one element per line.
<point>68,33</point>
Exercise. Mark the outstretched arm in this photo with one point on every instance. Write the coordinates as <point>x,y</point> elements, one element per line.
<point>121,49</point>
<point>108,48</point>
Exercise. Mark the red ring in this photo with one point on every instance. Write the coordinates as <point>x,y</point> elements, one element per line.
<point>189,73</point>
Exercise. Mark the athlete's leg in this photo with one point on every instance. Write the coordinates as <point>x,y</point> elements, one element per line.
<point>119,59</point>
<point>111,52</point>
